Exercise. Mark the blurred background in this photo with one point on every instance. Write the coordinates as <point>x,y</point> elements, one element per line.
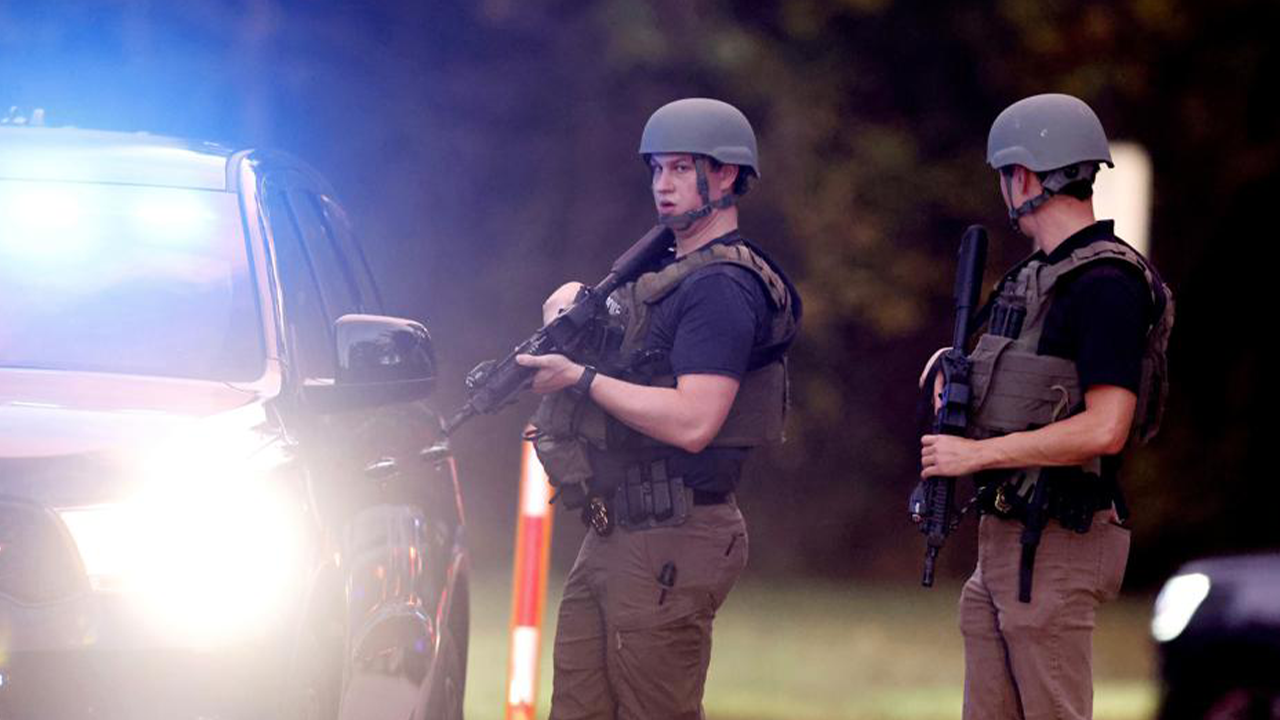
<point>487,149</point>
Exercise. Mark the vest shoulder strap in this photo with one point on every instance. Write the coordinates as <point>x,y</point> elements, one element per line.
<point>653,287</point>
<point>1095,252</point>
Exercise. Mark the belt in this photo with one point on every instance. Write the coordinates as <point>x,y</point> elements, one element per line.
<point>710,468</point>
<point>1071,501</point>
<point>706,497</point>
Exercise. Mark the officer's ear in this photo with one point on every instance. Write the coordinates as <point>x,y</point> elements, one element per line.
<point>726,176</point>
<point>1027,181</point>
<point>1018,182</point>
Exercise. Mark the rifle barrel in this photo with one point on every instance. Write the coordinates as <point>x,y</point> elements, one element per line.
<point>972,261</point>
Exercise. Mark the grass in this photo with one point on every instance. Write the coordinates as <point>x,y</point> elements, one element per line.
<point>827,651</point>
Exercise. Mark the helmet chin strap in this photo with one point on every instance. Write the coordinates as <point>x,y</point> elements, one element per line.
<point>1051,184</point>
<point>1025,208</point>
<point>1028,207</point>
<point>684,221</point>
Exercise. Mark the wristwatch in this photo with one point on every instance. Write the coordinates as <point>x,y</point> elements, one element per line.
<point>582,388</point>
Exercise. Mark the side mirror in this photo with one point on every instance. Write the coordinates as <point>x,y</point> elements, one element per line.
<point>379,349</point>
<point>381,360</point>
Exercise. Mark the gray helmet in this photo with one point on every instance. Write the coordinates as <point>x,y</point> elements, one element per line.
<point>1047,132</point>
<point>702,126</point>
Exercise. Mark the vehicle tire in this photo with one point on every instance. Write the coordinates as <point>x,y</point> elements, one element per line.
<point>448,683</point>
<point>315,687</point>
<point>1245,703</point>
<point>315,681</point>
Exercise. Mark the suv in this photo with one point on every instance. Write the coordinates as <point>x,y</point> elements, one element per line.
<point>221,493</point>
<point>1217,625</point>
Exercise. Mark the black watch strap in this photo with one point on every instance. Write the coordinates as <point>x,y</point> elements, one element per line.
<point>583,386</point>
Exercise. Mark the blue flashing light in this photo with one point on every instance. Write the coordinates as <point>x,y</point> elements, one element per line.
<point>168,217</point>
<point>47,221</point>
<point>127,278</point>
<point>71,223</point>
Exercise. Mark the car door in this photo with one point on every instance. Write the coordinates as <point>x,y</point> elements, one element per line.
<point>393,516</point>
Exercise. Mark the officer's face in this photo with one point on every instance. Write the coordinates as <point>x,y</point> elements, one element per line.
<point>675,183</point>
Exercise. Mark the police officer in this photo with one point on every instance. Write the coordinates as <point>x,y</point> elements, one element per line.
<point>649,437</point>
<point>1069,369</point>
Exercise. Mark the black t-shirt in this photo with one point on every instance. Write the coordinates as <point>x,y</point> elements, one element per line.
<point>713,323</point>
<point>1098,315</point>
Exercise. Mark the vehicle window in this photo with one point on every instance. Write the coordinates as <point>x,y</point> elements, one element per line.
<point>306,321</point>
<point>337,282</point>
<point>126,279</point>
<point>339,227</point>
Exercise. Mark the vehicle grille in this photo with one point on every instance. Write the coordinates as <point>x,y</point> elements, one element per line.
<point>38,562</point>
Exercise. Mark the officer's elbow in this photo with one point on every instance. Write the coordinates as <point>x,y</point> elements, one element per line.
<point>698,436</point>
<point>1114,440</point>
<point>695,445</point>
<point>1108,438</point>
<point>1110,413</point>
<point>704,407</point>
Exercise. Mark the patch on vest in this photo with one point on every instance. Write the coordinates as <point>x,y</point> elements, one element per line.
<point>615,308</point>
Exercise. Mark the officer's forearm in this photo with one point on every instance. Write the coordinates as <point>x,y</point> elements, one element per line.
<point>687,416</point>
<point>1101,429</point>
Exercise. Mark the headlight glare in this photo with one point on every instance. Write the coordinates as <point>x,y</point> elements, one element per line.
<point>1177,604</point>
<point>207,558</point>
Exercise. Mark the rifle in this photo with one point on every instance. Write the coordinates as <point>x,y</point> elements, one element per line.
<point>932,505</point>
<point>492,385</point>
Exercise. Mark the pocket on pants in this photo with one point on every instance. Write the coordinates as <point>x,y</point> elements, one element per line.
<point>660,672</point>
<point>732,561</point>
<point>1113,559</point>
<point>706,554</point>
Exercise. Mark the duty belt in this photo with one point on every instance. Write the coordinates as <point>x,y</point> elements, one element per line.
<point>649,493</point>
<point>1072,501</point>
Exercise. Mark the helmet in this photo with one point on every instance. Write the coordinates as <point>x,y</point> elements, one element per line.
<point>702,126</point>
<point>1047,132</point>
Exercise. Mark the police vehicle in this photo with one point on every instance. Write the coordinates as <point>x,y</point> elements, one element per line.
<point>221,491</point>
<point>1217,629</point>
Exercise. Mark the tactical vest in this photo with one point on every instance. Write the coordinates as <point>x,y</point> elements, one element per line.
<point>1016,389</point>
<point>565,425</point>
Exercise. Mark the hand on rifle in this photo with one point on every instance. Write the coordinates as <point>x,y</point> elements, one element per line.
<point>555,372</point>
<point>950,456</point>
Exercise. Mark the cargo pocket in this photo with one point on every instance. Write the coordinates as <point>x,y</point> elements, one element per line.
<point>1113,558</point>
<point>660,672</point>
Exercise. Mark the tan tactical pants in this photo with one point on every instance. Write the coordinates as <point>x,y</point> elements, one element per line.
<point>626,647</point>
<point>1033,661</point>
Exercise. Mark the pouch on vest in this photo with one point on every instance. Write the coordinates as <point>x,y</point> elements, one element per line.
<point>560,423</point>
<point>1153,390</point>
<point>1014,390</point>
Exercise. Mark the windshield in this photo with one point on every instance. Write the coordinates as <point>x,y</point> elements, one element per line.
<point>126,279</point>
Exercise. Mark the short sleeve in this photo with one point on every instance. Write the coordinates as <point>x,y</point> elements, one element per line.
<point>1108,313</point>
<point>718,316</point>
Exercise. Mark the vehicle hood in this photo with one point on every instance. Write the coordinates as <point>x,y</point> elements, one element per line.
<point>64,436</point>
<point>1245,588</point>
